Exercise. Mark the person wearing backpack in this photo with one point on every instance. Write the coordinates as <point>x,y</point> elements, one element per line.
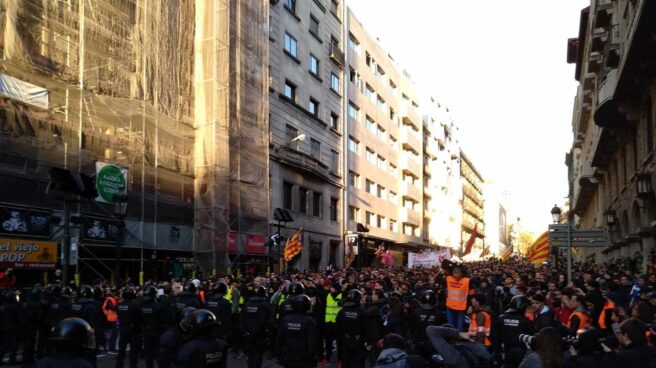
<point>457,349</point>
<point>394,355</point>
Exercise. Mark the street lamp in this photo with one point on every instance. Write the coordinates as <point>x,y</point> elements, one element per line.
<point>555,214</point>
<point>120,209</point>
<point>644,185</point>
<point>361,229</point>
<point>610,221</point>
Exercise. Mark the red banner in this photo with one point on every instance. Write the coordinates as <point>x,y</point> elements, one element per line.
<point>232,242</point>
<point>255,244</point>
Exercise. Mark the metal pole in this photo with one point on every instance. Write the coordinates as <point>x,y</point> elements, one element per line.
<point>67,242</point>
<point>569,253</point>
<point>119,240</point>
<point>279,250</point>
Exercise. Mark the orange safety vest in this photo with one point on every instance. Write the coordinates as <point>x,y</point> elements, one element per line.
<point>456,293</point>
<point>109,313</point>
<point>201,294</point>
<point>584,322</point>
<point>608,305</point>
<point>475,329</point>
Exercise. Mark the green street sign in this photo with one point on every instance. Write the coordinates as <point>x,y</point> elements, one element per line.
<point>110,179</point>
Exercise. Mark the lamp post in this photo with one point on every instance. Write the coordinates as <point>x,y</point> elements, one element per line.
<point>555,214</point>
<point>610,222</point>
<point>120,209</point>
<point>361,230</point>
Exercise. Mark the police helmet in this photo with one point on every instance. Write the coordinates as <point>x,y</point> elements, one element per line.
<point>75,331</point>
<point>519,303</point>
<point>201,322</point>
<point>190,288</point>
<point>260,290</point>
<point>66,290</point>
<point>221,288</point>
<point>54,290</point>
<point>428,298</point>
<point>86,291</point>
<point>97,291</point>
<point>353,298</point>
<point>181,317</point>
<point>150,292</point>
<point>129,293</point>
<point>301,304</point>
<point>37,292</point>
<point>296,289</point>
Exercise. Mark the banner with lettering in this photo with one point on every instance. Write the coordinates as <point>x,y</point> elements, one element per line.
<point>428,259</point>
<point>31,254</point>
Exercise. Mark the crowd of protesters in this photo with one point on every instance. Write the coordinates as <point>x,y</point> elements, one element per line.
<point>507,313</point>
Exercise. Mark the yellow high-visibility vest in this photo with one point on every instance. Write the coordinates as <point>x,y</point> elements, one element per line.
<point>332,307</point>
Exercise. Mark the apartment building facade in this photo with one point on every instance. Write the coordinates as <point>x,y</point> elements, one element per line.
<point>384,147</point>
<point>611,165</point>
<point>473,205</point>
<point>306,98</point>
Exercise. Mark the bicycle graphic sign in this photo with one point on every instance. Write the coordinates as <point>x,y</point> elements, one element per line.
<point>30,254</point>
<point>24,222</point>
<point>110,179</point>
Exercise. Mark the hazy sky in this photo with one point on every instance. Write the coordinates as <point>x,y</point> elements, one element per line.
<point>501,68</point>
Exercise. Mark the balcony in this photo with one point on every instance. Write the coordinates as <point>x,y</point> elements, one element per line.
<point>409,216</point>
<point>427,214</point>
<point>431,148</point>
<point>336,55</point>
<point>302,161</point>
<point>409,190</point>
<point>607,112</point>
<point>409,138</point>
<point>407,163</point>
<point>409,115</point>
<point>604,12</point>
<point>585,190</point>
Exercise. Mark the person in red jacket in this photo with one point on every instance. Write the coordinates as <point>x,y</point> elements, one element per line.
<point>7,279</point>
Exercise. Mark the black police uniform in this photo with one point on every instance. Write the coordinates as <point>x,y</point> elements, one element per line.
<point>128,332</point>
<point>187,299</point>
<point>31,318</point>
<point>70,340</point>
<point>422,317</point>
<point>298,339</point>
<point>87,309</point>
<point>63,361</point>
<point>202,352</point>
<point>253,323</point>
<point>350,331</point>
<point>9,329</point>
<point>505,336</point>
<point>151,326</point>
<point>222,309</point>
<point>58,307</point>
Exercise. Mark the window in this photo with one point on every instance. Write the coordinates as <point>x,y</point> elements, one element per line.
<point>354,180</point>
<point>392,170</point>
<point>334,120</point>
<point>353,145</point>
<point>314,65</point>
<point>353,111</point>
<point>302,200</point>
<point>334,161</point>
<point>354,44</point>
<point>313,107</point>
<point>370,218</point>
<point>392,197</point>
<point>334,8</point>
<point>381,222</point>
<point>316,148</point>
<point>290,134</point>
<point>408,203</point>
<point>370,124</point>
<point>314,26</point>
<point>380,133</point>
<point>380,103</point>
<point>290,90</point>
<point>393,143</point>
<point>392,225</point>
<point>290,44</point>
<point>368,59</point>
<point>354,214</point>
<point>290,5</point>
<point>370,187</point>
<point>392,115</point>
<point>316,204</point>
<point>371,93</point>
<point>382,163</point>
<point>382,192</point>
<point>334,82</point>
<point>408,229</point>
<point>334,205</point>
<point>287,195</point>
<point>371,156</point>
<point>353,75</point>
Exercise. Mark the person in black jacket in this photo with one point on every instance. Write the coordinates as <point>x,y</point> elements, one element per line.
<point>587,352</point>
<point>222,309</point>
<point>58,307</point>
<point>31,318</point>
<point>9,328</point>
<point>173,338</point>
<point>253,324</point>
<point>426,315</point>
<point>203,350</point>
<point>70,341</point>
<point>188,298</point>
<point>374,322</point>
<point>298,335</point>
<point>151,324</point>
<point>86,308</point>
<point>506,330</point>
<point>544,316</point>
<point>128,331</point>
<point>633,350</point>
<point>349,328</point>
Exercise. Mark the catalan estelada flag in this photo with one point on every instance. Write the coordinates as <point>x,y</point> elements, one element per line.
<point>294,245</point>
<point>539,251</point>
<point>507,253</point>
<point>576,251</point>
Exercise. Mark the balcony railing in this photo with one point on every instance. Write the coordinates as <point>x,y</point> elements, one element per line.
<point>336,55</point>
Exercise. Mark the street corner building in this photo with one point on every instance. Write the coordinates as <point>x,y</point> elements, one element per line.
<point>174,93</point>
<point>611,162</point>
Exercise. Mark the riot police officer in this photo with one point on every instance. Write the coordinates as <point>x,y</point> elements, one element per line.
<point>71,339</point>
<point>350,331</point>
<point>298,335</point>
<point>295,289</point>
<point>151,324</point>
<point>31,318</point>
<point>128,327</point>
<point>9,329</point>
<point>222,309</point>
<point>426,315</point>
<point>58,307</point>
<point>253,323</point>
<point>203,350</point>
<point>173,338</point>
<point>188,298</point>
<point>506,330</point>
<point>85,307</point>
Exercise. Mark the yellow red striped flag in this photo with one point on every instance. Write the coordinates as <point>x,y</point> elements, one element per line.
<point>507,253</point>
<point>294,245</point>
<point>539,251</point>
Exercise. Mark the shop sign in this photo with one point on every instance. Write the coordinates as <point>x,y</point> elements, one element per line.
<point>29,254</point>
<point>110,179</point>
<point>255,244</point>
<point>99,230</point>
<point>24,222</point>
